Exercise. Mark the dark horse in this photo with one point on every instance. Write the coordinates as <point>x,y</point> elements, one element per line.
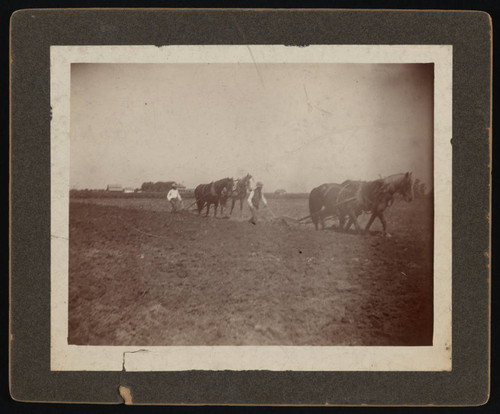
<point>373,197</point>
<point>323,203</point>
<point>207,194</point>
<point>240,192</point>
<point>224,195</point>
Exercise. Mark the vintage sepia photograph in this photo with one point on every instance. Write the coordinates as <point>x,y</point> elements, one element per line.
<point>262,207</point>
<point>197,190</point>
<point>251,203</point>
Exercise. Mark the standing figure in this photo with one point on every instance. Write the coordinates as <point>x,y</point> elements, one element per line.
<point>224,195</point>
<point>255,196</point>
<point>175,198</point>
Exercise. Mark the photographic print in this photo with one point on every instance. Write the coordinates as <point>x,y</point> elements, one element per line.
<point>255,203</point>
<point>250,207</point>
<point>185,279</point>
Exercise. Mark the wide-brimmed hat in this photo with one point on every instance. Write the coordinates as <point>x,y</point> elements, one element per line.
<point>174,185</point>
<point>259,184</point>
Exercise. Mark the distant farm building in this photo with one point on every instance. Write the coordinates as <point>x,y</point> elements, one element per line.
<point>280,192</point>
<point>128,190</point>
<point>114,187</point>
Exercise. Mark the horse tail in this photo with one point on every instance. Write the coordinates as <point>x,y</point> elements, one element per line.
<point>316,204</point>
<point>198,195</point>
<point>197,191</point>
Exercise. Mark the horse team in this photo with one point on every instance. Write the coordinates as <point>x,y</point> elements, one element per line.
<point>346,201</point>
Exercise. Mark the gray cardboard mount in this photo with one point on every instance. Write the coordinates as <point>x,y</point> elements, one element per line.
<point>32,34</point>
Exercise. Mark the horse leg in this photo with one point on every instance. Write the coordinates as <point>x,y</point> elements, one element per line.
<point>216,207</point>
<point>208,209</point>
<point>341,222</point>
<point>384,225</point>
<point>314,219</point>
<point>322,221</point>
<point>345,220</point>
<point>370,222</point>
<point>349,223</point>
<point>353,219</point>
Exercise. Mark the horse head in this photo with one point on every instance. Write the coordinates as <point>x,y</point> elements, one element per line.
<point>406,187</point>
<point>235,185</point>
<point>241,184</point>
<point>229,186</point>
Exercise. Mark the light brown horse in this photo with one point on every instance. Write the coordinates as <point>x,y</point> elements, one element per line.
<point>240,191</point>
<point>373,197</point>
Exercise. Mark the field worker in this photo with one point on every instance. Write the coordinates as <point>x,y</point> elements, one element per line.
<point>224,195</point>
<point>259,196</point>
<point>255,195</point>
<point>175,198</point>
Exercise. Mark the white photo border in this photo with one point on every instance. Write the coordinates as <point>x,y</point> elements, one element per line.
<point>64,357</point>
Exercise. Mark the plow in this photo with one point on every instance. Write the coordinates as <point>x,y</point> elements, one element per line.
<point>288,219</point>
<point>307,219</point>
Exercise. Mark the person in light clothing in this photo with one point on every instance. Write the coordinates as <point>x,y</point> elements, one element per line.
<point>255,196</point>
<point>175,198</point>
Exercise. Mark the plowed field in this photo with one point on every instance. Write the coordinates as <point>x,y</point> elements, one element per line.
<point>140,275</point>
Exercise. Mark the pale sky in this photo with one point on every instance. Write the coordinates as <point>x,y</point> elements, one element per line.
<point>292,126</point>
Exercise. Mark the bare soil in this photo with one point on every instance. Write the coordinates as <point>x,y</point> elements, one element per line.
<point>140,275</point>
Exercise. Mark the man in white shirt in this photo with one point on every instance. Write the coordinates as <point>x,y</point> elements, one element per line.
<point>255,195</point>
<point>175,198</point>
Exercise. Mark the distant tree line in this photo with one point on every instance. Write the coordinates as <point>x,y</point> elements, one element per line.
<point>160,186</point>
<point>112,194</point>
